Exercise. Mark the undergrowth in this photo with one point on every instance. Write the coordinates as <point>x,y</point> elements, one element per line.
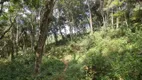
<point>111,54</point>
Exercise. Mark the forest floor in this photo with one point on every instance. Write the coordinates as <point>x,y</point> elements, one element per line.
<point>111,55</point>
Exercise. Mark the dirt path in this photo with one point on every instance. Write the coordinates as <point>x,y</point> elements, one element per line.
<point>66,61</point>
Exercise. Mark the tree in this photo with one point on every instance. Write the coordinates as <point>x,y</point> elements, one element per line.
<point>46,19</point>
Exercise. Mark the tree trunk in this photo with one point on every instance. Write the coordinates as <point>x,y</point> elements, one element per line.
<point>104,21</point>
<point>32,29</point>
<point>112,20</point>
<point>43,34</point>
<point>128,10</point>
<point>55,36</point>
<point>117,23</point>
<point>90,18</point>
<point>63,37</point>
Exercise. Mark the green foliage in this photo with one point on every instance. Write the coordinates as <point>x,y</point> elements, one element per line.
<point>119,14</point>
<point>20,69</point>
<point>11,9</point>
<point>33,3</point>
<point>115,58</point>
<point>107,54</point>
<point>75,71</point>
<point>15,1</point>
<point>51,68</point>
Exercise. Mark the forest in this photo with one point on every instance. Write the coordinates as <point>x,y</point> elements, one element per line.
<point>70,39</point>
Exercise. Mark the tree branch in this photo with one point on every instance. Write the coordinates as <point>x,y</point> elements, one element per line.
<point>2,36</point>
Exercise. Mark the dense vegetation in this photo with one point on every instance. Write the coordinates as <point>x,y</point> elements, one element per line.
<point>70,40</point>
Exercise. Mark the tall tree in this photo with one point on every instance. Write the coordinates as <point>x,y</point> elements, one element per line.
<point>90,17</point>
<point>46,19</point>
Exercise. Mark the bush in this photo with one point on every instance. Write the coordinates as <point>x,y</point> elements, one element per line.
<point>115,58</point>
